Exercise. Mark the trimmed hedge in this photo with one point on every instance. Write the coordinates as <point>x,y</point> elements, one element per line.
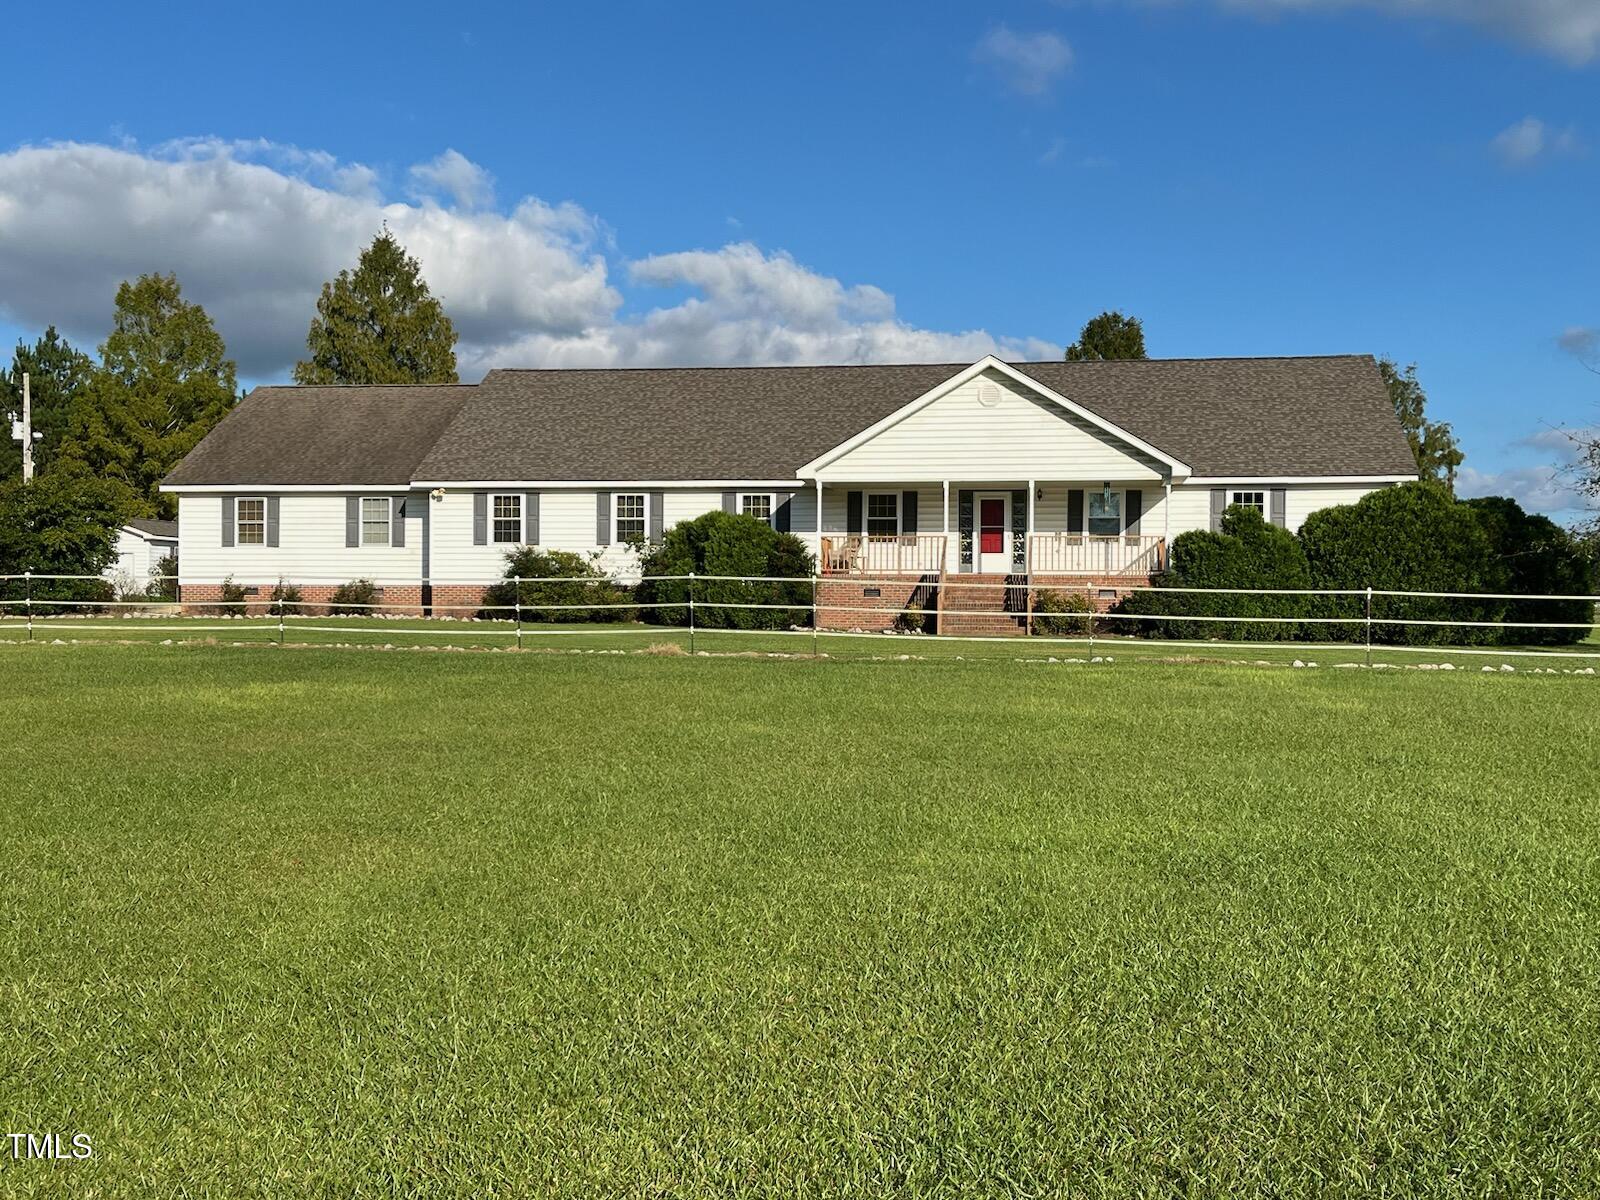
<point>555,577</point>
<point>1248,553</point>
<point>1412,538</point>
<point>1538,557</point>
<point>719,543</point>
<point>354,599</point>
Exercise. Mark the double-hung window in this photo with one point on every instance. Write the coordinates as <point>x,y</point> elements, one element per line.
<point>250,520</point>
<point>375,517</point>
<point>1105,513</point>
<point>883,514</point>
<point>505,522</point>
<point>629,516</point>
<point>1255,500</point>
<point>757,505</point>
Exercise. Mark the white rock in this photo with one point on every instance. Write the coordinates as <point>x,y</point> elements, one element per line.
<point>1488,670</point>
<point>1298,663</point>
<point>1311,664</point>
<point>1097,658</point>
<point>1507,667</point>
<point>1447,666</point>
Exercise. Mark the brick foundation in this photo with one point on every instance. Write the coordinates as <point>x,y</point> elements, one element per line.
<point>882,610</point>
<point>202,599</point>
<point>1118,585</point>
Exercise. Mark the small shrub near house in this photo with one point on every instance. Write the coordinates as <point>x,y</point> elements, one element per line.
<point>1063,614</point>
<point>163,584</point>
<point>728,544</point>
<point>550,585</point>
<point>1249,552</point>
<point>233,598</point>
<point>286,599</point>
<point>354,599</point>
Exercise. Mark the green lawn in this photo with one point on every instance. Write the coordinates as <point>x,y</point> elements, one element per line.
<point>319,922</point>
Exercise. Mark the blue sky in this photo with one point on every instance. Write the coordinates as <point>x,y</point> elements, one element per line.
<point>652,182</point>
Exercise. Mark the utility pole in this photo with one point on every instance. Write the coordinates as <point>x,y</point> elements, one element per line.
<point>22,431</point>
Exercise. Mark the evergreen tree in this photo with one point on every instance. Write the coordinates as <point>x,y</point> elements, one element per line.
<point>379,324</point>
<point>57,371</point>
<point>1433,444</point>
<point>1110,335</point>
<point>163,382</point>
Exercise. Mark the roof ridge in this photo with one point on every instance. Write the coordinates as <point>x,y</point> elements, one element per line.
<point>1019,363</point>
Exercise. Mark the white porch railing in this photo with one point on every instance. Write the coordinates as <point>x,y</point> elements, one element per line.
<point>1083,554</point>
<point>899,554</point>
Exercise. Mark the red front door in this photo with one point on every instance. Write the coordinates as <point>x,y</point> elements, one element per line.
<point>992,526</point>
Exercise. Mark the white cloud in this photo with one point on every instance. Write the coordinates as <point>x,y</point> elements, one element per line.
<point>455,176</point>
<point>1530,140</point>
<point>1549,487</point>
<point>1029,63</point>
<point>1568,29</point>
<point>252,229</point>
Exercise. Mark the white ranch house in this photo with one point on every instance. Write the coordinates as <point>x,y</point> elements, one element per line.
<point>921,473</point>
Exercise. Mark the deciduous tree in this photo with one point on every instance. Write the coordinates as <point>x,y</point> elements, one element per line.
<point>1433,444</point>
<point>1110,335</point>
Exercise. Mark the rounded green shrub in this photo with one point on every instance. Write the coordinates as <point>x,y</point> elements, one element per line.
<point>726,544</point>
<point>1062,614</point>
<point>1539,558</point>
<point>555,586</point>
<point>1249,552</point>
<point>354,599</point>
<point>1411,538</point>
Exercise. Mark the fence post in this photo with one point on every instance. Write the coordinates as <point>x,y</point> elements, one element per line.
<point>1369,626</point>
<point>1088,598</point>
<point>280,618</point>
<point>691,612</point>
<point>516,586</point>
<point>27,599</point>
<point>814,614</point>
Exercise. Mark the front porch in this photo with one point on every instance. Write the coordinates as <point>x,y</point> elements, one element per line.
<point>997,547</point>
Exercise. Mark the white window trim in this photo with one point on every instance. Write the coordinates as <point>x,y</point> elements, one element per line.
<point>616,517</point>
<point>238,525</point>
<point>522,518</point>
<point>1264,493</point>
<point>866,515</point>
<point>388,540</point>
<point>1122,512</point>
<point>772,504</point>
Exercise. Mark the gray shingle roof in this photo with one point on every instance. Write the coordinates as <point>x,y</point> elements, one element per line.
<point>323,435</point>
<point>166,531</point>
<point>1278,417</point>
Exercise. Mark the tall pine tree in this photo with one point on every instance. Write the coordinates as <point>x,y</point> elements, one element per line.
<point>379,324</point>
<point>57,371</point>
<point>163,381</point>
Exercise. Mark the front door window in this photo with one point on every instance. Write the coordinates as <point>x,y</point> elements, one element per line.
<point>992,526</point>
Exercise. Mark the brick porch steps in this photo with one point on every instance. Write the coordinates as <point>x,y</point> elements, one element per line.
<point>975,608</point>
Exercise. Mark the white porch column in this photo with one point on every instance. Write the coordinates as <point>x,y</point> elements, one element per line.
<point>1027,538</point>
<point>1166,521</point>
<point>945,526</point>
<point>819,523</point>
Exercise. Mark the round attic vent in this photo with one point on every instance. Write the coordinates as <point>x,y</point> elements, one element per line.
<point>988,394</point>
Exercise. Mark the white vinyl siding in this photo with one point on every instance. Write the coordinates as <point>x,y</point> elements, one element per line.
<point>311,544</point>
<point>1024,436</point>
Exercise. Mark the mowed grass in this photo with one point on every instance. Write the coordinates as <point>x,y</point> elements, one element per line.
<point>344,923</point>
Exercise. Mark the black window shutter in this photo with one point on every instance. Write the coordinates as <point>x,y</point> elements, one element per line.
<point>780,515</point>
<point>1219,505</point>
<point>1279,507</point>
<point>480,518</point>
<point>227,520</point>
<point>397,522</point>
<point>908,512</point>
<point>530,518</point>
<point>730,502</point>
<point>1133,502</point>
<point>658,517</point>
<point>852,513</point>
<point>1075,510</point>
<point>602,518</point>
<point>352,521</point>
